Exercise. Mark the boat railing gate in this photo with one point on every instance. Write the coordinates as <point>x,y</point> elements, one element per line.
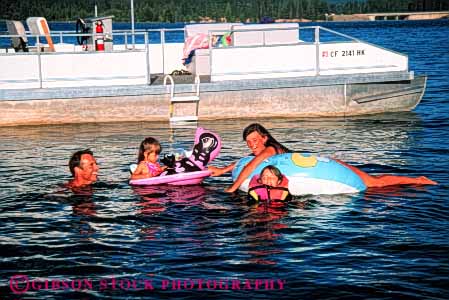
<point>162,33</point>
<point>39,46</point>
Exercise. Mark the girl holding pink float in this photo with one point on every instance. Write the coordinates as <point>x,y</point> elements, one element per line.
<point>182,171</point>
<point>147,160</point>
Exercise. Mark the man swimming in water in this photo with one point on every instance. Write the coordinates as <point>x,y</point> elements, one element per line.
<point>84,169</point>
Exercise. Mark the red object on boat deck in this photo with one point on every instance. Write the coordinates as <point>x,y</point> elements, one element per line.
<point>99,42</point>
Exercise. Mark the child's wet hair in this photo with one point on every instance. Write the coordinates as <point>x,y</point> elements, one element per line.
<point>273,170</point>
<point>147,144</point>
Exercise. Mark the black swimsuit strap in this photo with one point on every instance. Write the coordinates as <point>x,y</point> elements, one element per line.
<point>281,188</point>
<point>268,187</point>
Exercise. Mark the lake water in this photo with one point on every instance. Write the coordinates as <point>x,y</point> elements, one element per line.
<point>198,242</point>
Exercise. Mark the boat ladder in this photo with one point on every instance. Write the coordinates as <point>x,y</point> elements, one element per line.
<point>183,99</point>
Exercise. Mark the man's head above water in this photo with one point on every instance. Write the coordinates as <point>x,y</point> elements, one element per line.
<point>83,167</point>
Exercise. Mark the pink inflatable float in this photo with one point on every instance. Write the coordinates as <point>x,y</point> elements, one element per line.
<point>188,170</point>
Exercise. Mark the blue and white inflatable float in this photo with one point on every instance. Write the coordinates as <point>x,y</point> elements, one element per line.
<point>307,175</point>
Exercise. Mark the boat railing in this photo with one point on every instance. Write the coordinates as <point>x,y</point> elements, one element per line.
<point>160,36</point>
<point>66,44</point>
<point>62,37</point>
<point>307,35</point>
<point>342,35</point>
<point>324,29</point>
<point>317,33</point>
<point>316,36</point>
<point>41,67</point>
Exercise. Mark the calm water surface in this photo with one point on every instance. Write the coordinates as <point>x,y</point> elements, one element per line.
<point>389,243</point>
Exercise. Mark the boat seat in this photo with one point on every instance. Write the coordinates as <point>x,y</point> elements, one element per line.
<point>19,39</point>
<point>265,34</point>
<point>241,35</point>
<point>39,27</point>
<point>222,28</point>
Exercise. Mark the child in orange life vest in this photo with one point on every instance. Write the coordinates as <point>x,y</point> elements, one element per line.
<point>147,159</point>
<point>269,185</point>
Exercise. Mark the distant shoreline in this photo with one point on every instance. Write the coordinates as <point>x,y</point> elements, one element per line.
<point>403,16</point>
<point>331,18</point>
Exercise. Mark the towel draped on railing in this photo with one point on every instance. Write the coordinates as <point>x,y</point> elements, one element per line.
<point>201,41</point>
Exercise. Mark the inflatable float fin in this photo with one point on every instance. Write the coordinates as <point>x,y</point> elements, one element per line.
<point>206,148</point>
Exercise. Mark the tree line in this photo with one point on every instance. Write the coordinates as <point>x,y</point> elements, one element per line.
<point>197,10</point>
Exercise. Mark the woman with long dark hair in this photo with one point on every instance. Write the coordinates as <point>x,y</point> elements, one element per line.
<point>262,146</point>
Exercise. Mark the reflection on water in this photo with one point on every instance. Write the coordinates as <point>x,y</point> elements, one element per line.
<point>154,199</point>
